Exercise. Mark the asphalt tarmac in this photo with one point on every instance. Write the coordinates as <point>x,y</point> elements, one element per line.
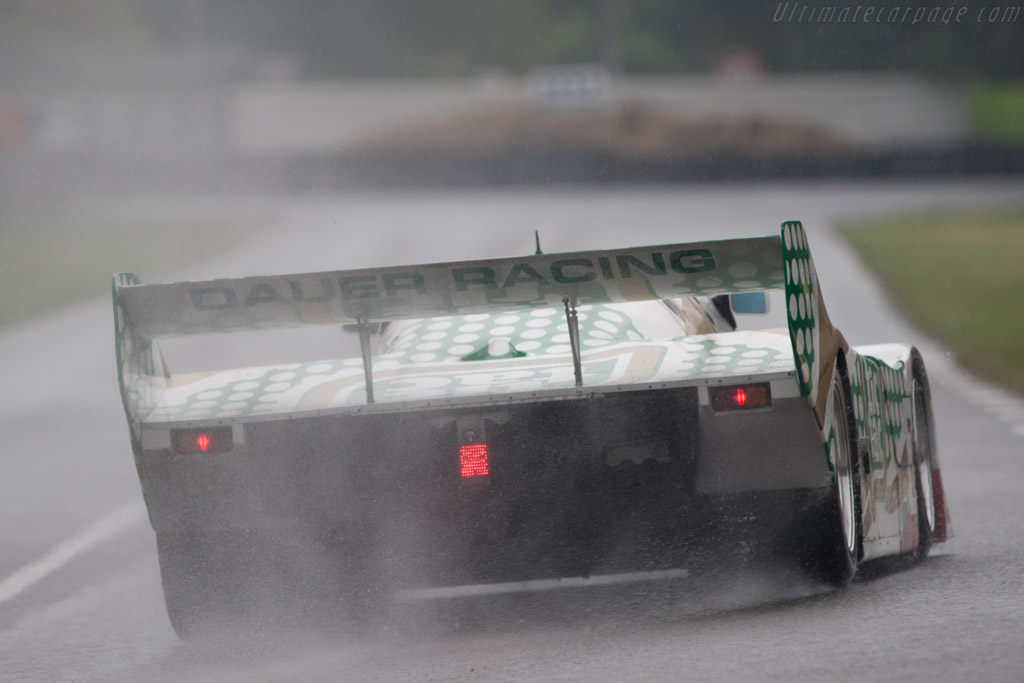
<point>80,595</point>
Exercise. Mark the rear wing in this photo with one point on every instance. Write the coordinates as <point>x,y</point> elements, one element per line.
<point>146,313</point>
<point>423,291</point>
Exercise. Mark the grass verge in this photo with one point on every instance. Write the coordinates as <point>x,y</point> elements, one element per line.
<point>997,112</point>
<point>959,278</point>
<point>48,264</point>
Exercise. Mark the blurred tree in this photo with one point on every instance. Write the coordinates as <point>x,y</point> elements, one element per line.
<point>412,38</point>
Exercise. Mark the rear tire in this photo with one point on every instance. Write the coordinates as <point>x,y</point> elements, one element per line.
<point>923,436</point>
<point>835,545</point>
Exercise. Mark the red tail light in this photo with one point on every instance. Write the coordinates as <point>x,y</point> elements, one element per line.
<point>744,397</point>
<point>473,460</point>
<point>205,441</point>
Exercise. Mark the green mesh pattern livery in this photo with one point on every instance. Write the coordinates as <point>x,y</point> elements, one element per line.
<point>538,331</point>
<point>801,287</point>
<point>878,394</point>
<point>423,363</point>
<point>879,382</point>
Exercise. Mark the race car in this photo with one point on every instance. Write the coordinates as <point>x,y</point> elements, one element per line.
<point>551,420</point>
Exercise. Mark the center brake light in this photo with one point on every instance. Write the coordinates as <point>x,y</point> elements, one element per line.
<point>473,460</point>
<point>746,397</point>
<point>202,441</point>
<point>473,456</point>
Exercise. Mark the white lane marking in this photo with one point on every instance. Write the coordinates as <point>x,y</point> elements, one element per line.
<point>536,585</point>
<point>102,529</point>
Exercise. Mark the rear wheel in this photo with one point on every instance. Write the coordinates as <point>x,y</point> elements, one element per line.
<point>835,543</point>
<point>923,443</point>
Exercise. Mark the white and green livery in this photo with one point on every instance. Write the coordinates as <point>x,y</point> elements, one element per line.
<point>523,420</point>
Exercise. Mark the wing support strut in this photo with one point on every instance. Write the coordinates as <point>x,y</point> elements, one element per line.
<point>574,339</point>
<point>364,346</point>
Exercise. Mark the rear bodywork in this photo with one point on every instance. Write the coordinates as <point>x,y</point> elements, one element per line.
<point>604,449</point>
